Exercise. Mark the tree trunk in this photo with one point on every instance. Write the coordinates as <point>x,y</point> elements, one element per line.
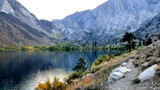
<point>130,46</point>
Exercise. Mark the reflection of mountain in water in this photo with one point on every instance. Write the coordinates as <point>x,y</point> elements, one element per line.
<point>16,66</point>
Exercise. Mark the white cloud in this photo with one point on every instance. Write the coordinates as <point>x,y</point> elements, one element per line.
<point>58,9</point>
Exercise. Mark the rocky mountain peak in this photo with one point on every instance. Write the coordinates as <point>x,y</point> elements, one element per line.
<point>6,7</point>
<point>111,19</point>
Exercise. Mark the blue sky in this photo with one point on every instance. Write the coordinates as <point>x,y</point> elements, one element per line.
<point>58,9</point>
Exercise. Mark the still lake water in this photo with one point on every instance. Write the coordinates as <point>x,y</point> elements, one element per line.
<point>22,70</point>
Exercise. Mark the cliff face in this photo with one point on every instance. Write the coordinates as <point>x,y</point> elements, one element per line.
<point>103,25</point>
<point>149,28</point>
<point>19,27</point>
<point>109,20</point>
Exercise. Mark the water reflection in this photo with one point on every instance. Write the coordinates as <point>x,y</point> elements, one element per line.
<point>22,70</point>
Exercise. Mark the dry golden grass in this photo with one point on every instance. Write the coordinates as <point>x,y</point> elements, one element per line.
<point>87,82</point>
<point>157,76</point>
<point>157,68</point>
<point>101,75</point>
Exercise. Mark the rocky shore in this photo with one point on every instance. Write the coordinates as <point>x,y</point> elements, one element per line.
<point>138,61</point>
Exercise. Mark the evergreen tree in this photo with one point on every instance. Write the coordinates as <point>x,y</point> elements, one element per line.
<point>129,38</point>
<point>81,65</point>
<point>149,41</point>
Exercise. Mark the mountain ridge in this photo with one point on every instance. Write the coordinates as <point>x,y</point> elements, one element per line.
<point>19,27</point>
<point>104,25</point>
<point>114,18</point>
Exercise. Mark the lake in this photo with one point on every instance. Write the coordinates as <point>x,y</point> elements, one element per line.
<point>23,70</point>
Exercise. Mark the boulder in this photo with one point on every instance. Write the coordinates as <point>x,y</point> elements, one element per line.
<point>148,73</point>
<point>158,60</point>
<point>118,73</point>
<point>145,64</point>
<point>150,59</point>
<point>115,76</point>
<point>121,70</point>
<point>124,64</point>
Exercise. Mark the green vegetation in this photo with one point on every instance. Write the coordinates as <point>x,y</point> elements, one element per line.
<point>57,36</point>
<point>81,75</point>
<point>81,65</point>
<point>72,76</point>
<point>129,38</point>
<point>62,47</point>
<point>101,59</point>
<point>79,69</point>
<point>1,49</point>
<point>56,85</point>
<point>92,78</point>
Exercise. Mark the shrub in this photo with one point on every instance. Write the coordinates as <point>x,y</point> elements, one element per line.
<point>97,62</point>
<point>23,48</point>
<point>101,59</point>
<point>106,57</point>
<point>56,85</point>
<point>41,86</point>
<point>136,63</point>
<point>30,48</point>
<point>112,56</point>
<point>48,84</point>
<point>75,75</point>
<point>1,49</point>
<point>50,48</point>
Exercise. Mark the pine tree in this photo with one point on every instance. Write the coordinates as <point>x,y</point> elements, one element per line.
<point>129,38</point>
<point>149,41</point>
<point>81,65</point>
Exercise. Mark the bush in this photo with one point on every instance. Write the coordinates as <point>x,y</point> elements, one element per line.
<point>56,85</point>
<point>75,75</point>
<point>97,62</point>
<point>112,56</point>
<point>41,86</point>
<point>1,49</point>
<point>106,57</point>
<point>48,84</point>
<point>30,48</point>
<point>101,59</point>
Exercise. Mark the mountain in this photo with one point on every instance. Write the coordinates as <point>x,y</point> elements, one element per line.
<point>103,25</point>
<point>19,27</point>
<point>149,28</point>
<point>108,22</point>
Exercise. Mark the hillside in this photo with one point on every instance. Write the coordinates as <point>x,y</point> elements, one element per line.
<point>19,27</point>
<point>103,25</point>
<point>138,61</point>
<point>149,28</point>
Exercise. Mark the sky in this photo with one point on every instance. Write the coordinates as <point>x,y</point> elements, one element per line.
<point>58,9</point>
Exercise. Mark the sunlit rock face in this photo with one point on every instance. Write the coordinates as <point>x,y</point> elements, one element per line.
<point>103,25</point>
<point>108,21</point>
<point>16,9</point>
<point>19,27</point>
